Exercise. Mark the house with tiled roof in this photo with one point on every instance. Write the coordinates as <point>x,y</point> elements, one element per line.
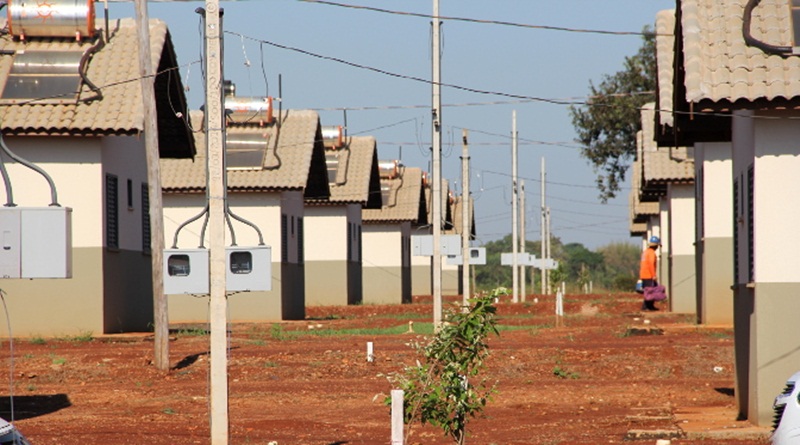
<point>737,58</point>
<point>710,136</point>
<point>74,108</point>
<point>667,176</point>
<point>387,235</point>
<point>273,164</point>
<point>333,226</point>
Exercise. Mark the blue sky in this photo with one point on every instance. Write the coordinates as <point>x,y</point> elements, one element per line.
<point>489,57</point>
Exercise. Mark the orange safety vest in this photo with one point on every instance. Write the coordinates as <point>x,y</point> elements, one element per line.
<point>647,270</point>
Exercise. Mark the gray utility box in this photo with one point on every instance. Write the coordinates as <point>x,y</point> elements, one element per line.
<point>477,257</point>
<point>422,245</point>
<point>35,242</point>
<point>186,271</point>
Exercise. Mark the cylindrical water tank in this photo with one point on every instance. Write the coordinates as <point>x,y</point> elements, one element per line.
<point>51,18</point>
<point>249,109</point>
<point>333,136</point>
<point>389,169</point>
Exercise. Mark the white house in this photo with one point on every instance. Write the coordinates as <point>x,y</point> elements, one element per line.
<point>333,227</point>
<point>387,236</point>
<point>273,166</point>
<point>668,173</point>
<point>83,124</point>
<point>710,136</point>
<point>736,57</point>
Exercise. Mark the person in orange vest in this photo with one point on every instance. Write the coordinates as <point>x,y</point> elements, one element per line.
<point>647,270</point>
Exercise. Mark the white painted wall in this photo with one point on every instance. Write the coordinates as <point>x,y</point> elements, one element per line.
<point>261,209</point>
<point>382,245</point>
<point>681,199</point>
<point>777,184</point>
<point>74,165</point>
<point>717,167</point>
<point>326,233</point>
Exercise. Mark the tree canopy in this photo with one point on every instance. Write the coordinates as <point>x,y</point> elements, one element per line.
<point>608,123</point>
<point>614,266</point>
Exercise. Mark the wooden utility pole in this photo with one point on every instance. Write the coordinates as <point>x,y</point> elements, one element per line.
<point>514,212</point>
<point>215,134</point>
<point>436,174</point>
<point>466,229</point>
<point>147,79</point>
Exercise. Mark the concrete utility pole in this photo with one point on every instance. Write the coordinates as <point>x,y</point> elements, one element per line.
<point>147,78</point>
<point>514,198</point>
<point>466,229</point>
<point>436,194</point>
<point>215,135</point>
<point>522,238</point>
<point>543,247</point>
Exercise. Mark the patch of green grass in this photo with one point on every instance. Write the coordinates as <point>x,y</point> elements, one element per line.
<point>59,360</point>
<point>31,388</point>
<point>403,316</point>
<point>562,373</point>
<point>419,328</point>
<point>192,332</point>
<point>37,340</point>
<point>276,332</point>
<point>168,411</point>
<point>271,364</point>
<point>81,337</point>
<point>722,335</point>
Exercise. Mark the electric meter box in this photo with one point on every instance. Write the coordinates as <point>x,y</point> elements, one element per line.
<point>35,242</point>
<point>477,257</point>
<point>249,269</point>
<point>422,245</point>
<point>186,271</point>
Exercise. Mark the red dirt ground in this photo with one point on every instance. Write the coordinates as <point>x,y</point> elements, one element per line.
<point>591,380</point>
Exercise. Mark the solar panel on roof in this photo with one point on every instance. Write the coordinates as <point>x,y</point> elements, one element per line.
<point>44,77</point>
<point>246,151</point>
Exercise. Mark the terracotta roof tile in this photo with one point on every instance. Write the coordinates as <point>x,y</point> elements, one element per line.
<point>719,66</point>
<point>665,60</point>
<point>114,70</point>
<point>405,204</point>
<point>287,164</point>
<point>357,167</point>
<point>662,164</point>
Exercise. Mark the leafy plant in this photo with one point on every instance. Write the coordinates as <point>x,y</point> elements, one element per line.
<point>562,373</point>
<point>38,340</point>
<point>444,389</point>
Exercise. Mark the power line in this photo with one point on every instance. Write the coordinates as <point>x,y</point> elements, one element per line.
<point>487,22</point>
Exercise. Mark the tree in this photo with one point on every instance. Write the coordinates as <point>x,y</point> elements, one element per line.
<point>443,388</point>
<point>608,123</point>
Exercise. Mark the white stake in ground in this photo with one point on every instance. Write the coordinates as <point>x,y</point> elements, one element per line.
<point>370,353</point>
<point>397,417</point>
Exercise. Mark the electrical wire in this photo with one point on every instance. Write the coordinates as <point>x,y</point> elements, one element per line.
<point>486,22</point>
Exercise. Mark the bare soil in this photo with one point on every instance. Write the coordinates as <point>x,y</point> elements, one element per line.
<point>602,372</point>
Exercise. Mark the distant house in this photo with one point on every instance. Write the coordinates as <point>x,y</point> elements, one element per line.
<point>83,125</point>
<point>710,137</point>
<point>333,228</point>
<point>750,73</point>
<point>456,211</point>
<point>387,235</point>
<point>668,174</point>
<point>268,189</point>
